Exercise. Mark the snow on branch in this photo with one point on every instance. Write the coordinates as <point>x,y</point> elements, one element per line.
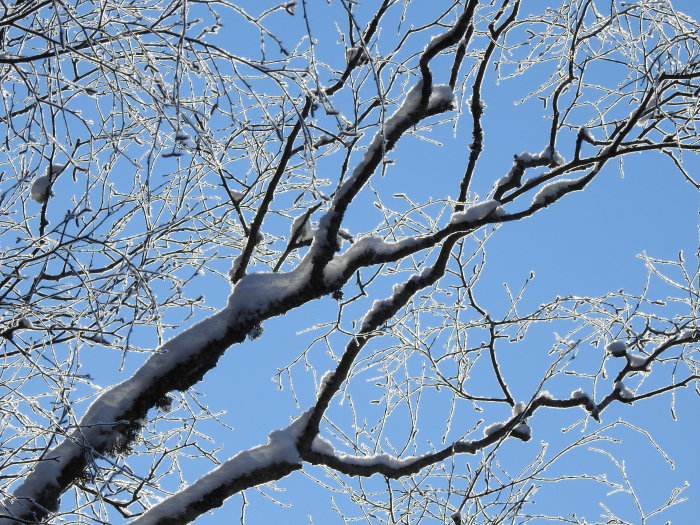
<point>178,364</point>
<point>551,192</point>
<point>513,179</point>
<point>408,114</point>
<point>546,155</point>
<point>374,250</point>
<point>278,457</point>
<point>477,212</point>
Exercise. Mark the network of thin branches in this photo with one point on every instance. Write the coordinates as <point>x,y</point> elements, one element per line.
<point>177,173</point>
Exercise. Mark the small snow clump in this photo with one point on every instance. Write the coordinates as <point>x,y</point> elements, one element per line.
<point>41,189</point>
<point>625,393</point>
<point>616,348</point>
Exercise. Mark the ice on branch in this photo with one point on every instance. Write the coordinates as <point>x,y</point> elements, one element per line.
<point>616,348</point>
<point>552,191</point>
<point>477,212</point>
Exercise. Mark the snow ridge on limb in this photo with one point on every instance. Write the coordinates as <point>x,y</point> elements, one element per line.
<point>513,179</point>
<point>551,192</point>
<point>407,115</point>
<point>477,212</point>
<point>374,250</point>
<point>272,461</point>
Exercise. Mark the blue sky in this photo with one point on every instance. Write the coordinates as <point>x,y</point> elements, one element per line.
<point>585,245</point>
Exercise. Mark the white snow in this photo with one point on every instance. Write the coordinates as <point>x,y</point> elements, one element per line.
<point>234,266</point>
<point>306,233</point>
<point>41,187</point>
<point>323,140</point>
<point>256,292</point>
<point>625,393</point>
<point>345,234</point>
<point>25,323</point>
<point>552,191</point>
<point>481,103</point>
<point>476,212</point>
<point>323,446</point>
<point>324,380</point>
<point>280,448</point>
<point>519,408</point>
<point>587,134</point>
<point>237,195</point>
<point>506,178</point>
<point>251,297</point>
<point>616,348</point>
<point>40,191</point>
<point>351,52</point>
<point>545,154</point>
<point>651,111</point>
<point>380,304</point>
<point>688,333</point>
<point>362,248</point>
<point>544,394</point>
<point>637,360</point>
<point>579,394</point>
<point>97,338</point>
<point>56,169</point>
<point>495,427</point>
